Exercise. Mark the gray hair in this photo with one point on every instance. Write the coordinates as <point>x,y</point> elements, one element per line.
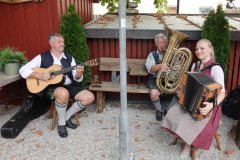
<point>210,46</point>
<point>53,36</point>
<point>159,36</point>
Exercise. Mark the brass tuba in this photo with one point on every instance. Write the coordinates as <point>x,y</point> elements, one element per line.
<point>178,60</point>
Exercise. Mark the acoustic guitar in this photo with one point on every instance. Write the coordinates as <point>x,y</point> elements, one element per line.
<point>56,72</point>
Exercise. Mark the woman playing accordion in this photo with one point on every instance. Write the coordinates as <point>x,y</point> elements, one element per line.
<point>178,121</point>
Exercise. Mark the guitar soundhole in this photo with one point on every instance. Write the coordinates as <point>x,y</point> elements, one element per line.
<point>52,75</point>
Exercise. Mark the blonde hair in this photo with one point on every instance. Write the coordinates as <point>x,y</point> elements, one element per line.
<point>159,36</point>
<point>210,46</point>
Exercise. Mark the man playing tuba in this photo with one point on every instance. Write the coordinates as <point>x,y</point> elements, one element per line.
<point>153,65</point>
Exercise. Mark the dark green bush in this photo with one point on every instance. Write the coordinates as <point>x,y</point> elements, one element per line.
<point>75,39</point>
<point>216,30</point>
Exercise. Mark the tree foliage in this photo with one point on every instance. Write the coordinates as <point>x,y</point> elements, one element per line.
<point>75,39</point>
<point>161,5</point>
<point>112,5</point>
<point>215,29</point>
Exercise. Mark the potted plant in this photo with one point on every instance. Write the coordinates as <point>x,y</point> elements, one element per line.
<point>11,59</point>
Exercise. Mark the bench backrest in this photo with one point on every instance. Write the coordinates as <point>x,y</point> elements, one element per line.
<point>135,67</point>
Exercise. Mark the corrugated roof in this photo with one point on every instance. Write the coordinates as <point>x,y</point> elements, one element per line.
<point>146,26</point>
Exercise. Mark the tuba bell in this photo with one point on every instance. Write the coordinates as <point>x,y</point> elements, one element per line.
<point>178,60</point>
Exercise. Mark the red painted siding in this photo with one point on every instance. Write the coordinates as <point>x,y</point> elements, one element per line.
<point>140,49</point>
<point>233,78</point>
<point>84,8</point>
<point>26,26</point>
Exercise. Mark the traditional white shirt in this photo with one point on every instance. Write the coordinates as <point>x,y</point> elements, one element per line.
<point>151,61</point>
<point>26,70</point>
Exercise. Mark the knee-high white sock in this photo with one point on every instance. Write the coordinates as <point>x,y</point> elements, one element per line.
<point>61,111</point>
<point>157,105</point>
<point>76,107</point>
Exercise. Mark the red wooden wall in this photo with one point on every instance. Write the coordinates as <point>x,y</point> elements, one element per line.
<point>139,48</point>
<point>26,26</point>
<point>233,78</point>
<point>135,49</point>
<point>84,8</point>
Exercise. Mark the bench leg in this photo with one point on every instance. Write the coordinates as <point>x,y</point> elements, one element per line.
<point>100,101</point>
<point>194,152</point>
<point>77,119</point>
<point>174,142</point>
<point>217,137</point>
<point>54,118</point>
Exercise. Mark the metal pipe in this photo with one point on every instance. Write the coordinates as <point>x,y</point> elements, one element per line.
<point>178,1</point>
<point>123,117</point>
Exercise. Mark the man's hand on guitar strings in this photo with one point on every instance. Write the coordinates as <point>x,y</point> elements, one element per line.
<point>79,71</point>
<point>45,76</point>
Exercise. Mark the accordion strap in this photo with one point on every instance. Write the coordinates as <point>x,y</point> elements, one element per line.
<point>210,66</point>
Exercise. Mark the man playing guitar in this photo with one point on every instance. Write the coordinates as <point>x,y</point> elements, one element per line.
<point>61,91</point>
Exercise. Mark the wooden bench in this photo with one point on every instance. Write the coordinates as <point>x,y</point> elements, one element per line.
<point>135,67</point>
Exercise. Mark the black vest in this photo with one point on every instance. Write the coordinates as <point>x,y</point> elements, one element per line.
<point>152,77</point>
<point>47,61</point>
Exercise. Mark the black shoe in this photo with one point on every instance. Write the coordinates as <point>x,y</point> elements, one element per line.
<point>159,116</point>
<point>82,110</point>
<point>164,113</point>
<point>62,131</point>
<point>69,124</point>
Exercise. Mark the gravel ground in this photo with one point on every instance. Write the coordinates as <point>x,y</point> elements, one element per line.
<point>98,138</point>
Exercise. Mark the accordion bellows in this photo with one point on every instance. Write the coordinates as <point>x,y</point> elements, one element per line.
<point>195,89</point>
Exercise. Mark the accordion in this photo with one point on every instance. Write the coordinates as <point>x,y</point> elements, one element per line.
<point>195,89</point>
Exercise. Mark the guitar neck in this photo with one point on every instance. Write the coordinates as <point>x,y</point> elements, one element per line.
<point>66,70</point>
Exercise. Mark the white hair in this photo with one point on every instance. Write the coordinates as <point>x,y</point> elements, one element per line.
<point>159,36</point>
<point>53,36</point>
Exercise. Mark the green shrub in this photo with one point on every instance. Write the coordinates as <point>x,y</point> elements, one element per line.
<point>75,39</point>
<point>215,29</point>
